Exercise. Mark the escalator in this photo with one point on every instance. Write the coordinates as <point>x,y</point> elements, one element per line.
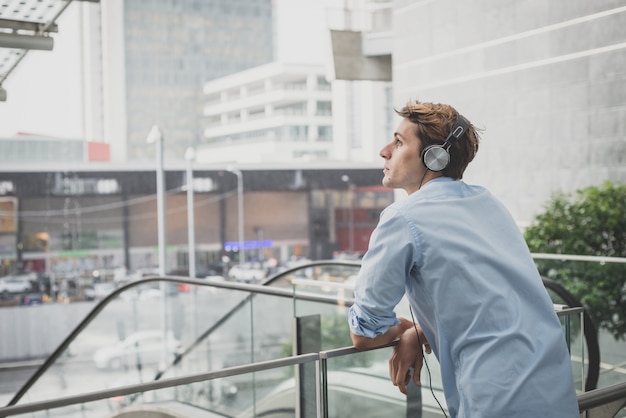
<point>172,327</point>
<point>216,325</point>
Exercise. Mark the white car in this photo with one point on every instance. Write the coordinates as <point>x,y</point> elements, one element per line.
<point>102,290</point>
<point>247,273</point>
<point>14,285</point>
<point>144,347</point>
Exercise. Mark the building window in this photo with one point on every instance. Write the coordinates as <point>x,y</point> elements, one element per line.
<point>322,83</point>
<point>324,133</point>
<point>324,109</point>
<point>291,109</point>
<point>299,133</point>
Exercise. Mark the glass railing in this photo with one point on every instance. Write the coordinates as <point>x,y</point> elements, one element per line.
<point>599,282</point>
<point>331,394</point>
<point>166,331</point>
<point>153,328</point>
<point>170,327</point>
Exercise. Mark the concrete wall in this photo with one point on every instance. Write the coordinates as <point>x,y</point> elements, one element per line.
<point>545,79</point>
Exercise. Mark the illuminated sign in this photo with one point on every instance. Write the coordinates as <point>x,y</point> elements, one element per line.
<point>79,186</point>
<point>248,245</point>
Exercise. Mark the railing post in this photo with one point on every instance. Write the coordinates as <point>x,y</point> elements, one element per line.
<point>414,401</point>
<point>308,340</point>
<point>321,385</point>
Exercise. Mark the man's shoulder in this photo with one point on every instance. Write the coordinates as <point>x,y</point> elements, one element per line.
<point>438,191</point>
<point>445,188</point>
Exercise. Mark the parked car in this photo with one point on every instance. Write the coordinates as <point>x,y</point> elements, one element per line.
<point>249,273</point>
<point>32,298</point>
<point>14,285</point>
<point>89,293</point>
<point>102,290</point>
<point>145,347</point>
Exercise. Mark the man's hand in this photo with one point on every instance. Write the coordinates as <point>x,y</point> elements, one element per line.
<point>406,354</point>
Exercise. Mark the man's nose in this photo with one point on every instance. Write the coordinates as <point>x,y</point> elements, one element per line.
<point>384,152</point>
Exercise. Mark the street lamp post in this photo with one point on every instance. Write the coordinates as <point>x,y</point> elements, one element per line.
<point>242,251</point>
<point>156,136</point>
<point>190,156</point>
<point>345,178</point>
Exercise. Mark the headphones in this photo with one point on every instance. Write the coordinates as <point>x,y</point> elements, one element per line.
<point>437,157</point>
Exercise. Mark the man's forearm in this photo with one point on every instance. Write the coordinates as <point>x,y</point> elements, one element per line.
<point>362,343</point>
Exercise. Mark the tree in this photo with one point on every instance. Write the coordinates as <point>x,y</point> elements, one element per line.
<point>590,222</point>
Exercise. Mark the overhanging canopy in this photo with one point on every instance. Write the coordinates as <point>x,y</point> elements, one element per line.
<point>26,25</point>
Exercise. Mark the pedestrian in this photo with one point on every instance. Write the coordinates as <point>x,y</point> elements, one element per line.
<point>475,295</point>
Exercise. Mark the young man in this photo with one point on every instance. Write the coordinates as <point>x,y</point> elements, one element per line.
<point>469,277</point>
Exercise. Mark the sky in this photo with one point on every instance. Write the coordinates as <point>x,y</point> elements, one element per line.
<point>43,92</point>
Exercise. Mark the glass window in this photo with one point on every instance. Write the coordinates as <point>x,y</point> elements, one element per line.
<point>298,133</point>
<point>324,108</point>
<point>324,133</point>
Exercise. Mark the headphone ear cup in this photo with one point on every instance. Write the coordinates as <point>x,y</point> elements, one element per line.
<point>435,157</point>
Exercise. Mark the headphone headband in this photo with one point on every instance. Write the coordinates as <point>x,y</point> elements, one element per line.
<point>458,130</point>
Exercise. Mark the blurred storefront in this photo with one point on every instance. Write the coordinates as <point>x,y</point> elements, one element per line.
<point>68,225</point>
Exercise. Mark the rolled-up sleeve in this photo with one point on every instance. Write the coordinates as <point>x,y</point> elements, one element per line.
<point>385,268</point>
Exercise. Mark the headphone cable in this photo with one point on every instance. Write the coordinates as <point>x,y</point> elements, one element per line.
<point>423,177</point>
<point>430,378</point>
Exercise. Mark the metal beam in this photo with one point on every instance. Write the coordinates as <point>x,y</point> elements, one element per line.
<point>15,24</point>
<point>35,42</point>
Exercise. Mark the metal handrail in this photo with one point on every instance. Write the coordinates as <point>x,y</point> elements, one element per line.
<point>603,403</point>
<point>156,384</point>
<point>179,381</point>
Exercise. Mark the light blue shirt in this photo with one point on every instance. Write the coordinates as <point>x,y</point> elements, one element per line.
<point>476,292</point>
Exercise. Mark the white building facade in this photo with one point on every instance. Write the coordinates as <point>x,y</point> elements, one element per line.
<point>290,112</point>
<point>273,113</point>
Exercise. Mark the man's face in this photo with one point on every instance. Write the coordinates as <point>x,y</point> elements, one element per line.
<point>403,163</point>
